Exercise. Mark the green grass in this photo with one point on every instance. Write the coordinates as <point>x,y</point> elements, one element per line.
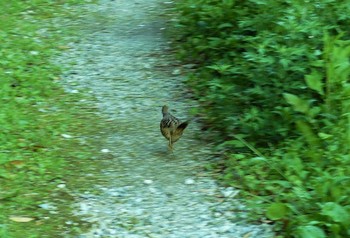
<point>34,113</point>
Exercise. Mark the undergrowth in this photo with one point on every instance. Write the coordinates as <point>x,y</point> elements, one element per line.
<point>42,145</point>
<point>273,78</point>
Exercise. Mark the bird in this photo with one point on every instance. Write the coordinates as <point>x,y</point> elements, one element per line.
<point>171,127</point>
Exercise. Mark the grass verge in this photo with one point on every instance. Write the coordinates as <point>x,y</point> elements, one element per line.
<point>46,139</point>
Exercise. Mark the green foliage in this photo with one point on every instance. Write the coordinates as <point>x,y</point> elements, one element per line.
<point>277,211</point>
<point>310,232</point>
<point>252,55</point>
<point>34,112</point>
<point>276,74</point>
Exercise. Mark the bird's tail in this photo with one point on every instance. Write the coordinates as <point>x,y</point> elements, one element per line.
<point>183,125</point>
<point>179,130</point>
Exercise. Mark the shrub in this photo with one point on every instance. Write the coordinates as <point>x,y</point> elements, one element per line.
<point>250,55</point>
<point>273,77</point>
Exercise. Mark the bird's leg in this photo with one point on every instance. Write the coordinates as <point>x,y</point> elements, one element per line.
<point>170,144</point>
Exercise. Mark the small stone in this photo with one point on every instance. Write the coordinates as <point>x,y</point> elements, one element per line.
<point>115,194</point>
<point>47,206</point>
<point>217,214</point>
<point>34,52</point>
<point>189,181</point>
<point>153,190</point>
<point>66,136</point>
<point>230,192</point>
<point>84,207</point>
<point>105,151</point>
<point>189,66</point>
<point>62,185</point>
<point>147,181</point>
<point>176,72</point>
<point>112,232</point>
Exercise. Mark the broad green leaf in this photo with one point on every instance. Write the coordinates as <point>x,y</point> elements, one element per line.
<point>225,25</point>
<point>283,183</point>
<point>324,136</point>
<point>221,68</point>
<point>258,159</point>
<point>285,63</point>
<point>310,232</point>
<point>306,130</point>
<point>277,211</point>
<point>314,81</point>
<point>336,212</point>
<point>298,104</point>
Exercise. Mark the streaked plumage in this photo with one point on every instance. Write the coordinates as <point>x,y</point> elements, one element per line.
<point>171,127</point>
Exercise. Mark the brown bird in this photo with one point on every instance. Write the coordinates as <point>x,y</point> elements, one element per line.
<point>171,127</point>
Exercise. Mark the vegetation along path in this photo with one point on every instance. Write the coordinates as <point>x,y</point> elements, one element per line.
<point>121,59</point>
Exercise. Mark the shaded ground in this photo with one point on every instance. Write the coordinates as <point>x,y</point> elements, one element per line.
<point>148,192</point>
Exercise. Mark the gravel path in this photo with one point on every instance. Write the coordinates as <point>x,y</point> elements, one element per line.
<point>122,59</point>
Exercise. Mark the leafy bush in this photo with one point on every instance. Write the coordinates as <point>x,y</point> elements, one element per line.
<point>276,74</point>
<point>250,55</point>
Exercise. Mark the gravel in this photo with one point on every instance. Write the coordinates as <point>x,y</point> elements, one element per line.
<point>123,60</point>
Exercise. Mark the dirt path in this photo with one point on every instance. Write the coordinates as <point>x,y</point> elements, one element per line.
<point>121,59</point>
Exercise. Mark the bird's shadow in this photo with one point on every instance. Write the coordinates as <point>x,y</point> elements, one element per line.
<point>165,152</point>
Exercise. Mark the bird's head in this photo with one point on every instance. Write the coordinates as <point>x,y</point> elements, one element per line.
<point>165,109</point>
